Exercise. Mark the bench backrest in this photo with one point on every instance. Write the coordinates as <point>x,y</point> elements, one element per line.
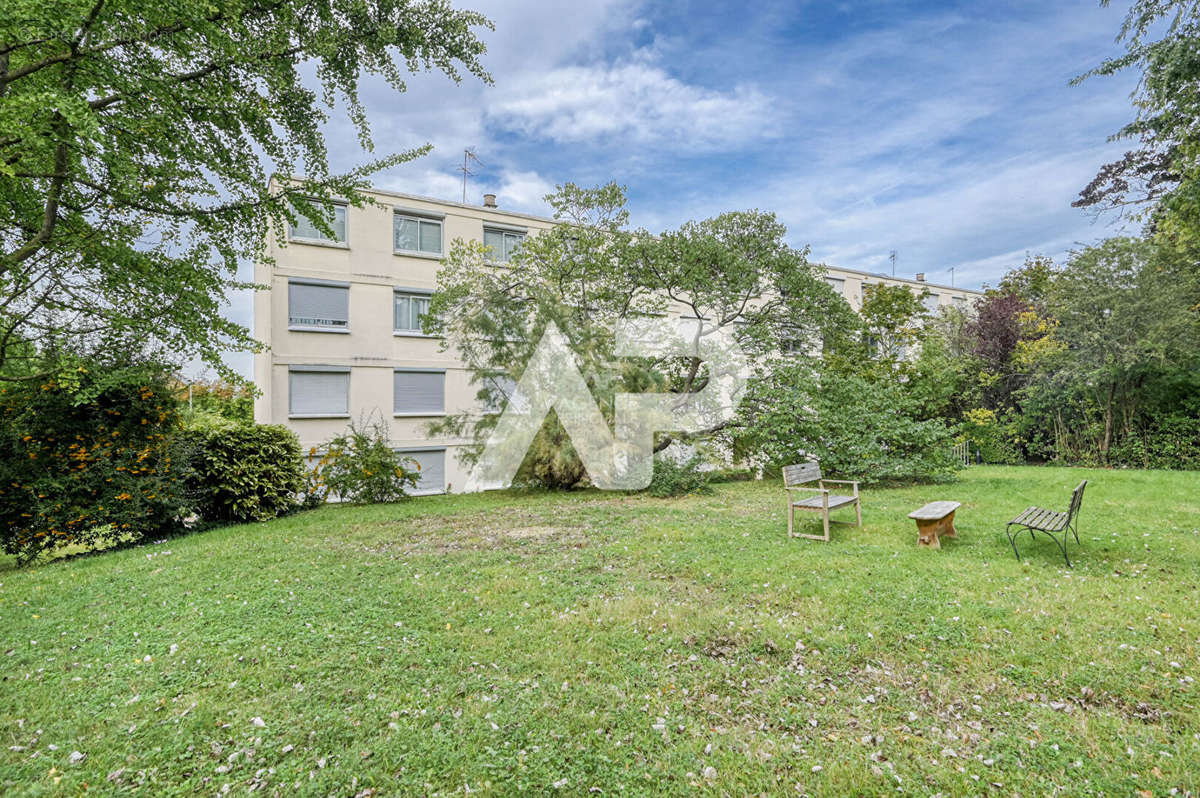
<point>801,473</point>
<point>1076,500</point>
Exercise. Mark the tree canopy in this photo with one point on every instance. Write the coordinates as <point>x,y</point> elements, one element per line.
<point>734,272</point>
<point>1161,174</point>
<point>137,140</point>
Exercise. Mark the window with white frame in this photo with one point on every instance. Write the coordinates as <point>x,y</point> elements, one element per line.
<point>837,284</point>
<point>318,305</point>
<point>408,308</point>
<point>960,302</point>
<point>415,233</point>
<point>318,391</point>
<point>503,243</point>
<point>431,465</point>
<point>931,302</point>
<point>335,217</point>
<point>419,392</point>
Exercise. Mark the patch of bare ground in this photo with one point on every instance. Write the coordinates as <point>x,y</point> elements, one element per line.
<point>512,530</point>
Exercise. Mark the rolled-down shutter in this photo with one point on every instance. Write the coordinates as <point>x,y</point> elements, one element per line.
<point>318,393</point>
<point>312,305</point>
<point>420,392</point>
<point>433,470</point>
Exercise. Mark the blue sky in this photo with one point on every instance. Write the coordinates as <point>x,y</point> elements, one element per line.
<point>946,131</point>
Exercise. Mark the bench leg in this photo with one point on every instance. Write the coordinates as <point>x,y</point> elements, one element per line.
<point>948,529</point>
<point>825,515</point>
<point>1062,545</point>
<point>791,515</point>
<point>927,534</point>
<point>858,511</point>
<point>1012,540</point>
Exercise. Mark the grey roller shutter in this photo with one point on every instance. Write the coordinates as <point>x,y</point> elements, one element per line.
<point>318,393</point>
<point>313,305</point>
<point>420,392</point>
<point>433,470</point>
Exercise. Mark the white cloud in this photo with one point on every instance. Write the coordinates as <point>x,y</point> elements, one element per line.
<point>523,190</point>
<point>634,102</point>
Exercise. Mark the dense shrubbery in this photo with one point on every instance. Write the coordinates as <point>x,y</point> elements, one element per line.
<point>674,477</point>
<point>990,438</point>
<point>242,472</point>
<point>201,398</point>
<point>1171,442</point>
<point>360,466</point>
<point>858,429</point>
<point>1093,362</point>
<point>88,459</point>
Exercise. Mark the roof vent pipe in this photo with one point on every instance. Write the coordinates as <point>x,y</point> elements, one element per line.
<point>489,200</point>
<point>920,277</point>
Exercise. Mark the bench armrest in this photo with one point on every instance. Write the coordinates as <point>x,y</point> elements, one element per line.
<point>842,481</point>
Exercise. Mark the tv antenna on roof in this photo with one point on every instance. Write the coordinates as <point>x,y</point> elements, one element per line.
<point>468,157</point>
<point>892,258</point>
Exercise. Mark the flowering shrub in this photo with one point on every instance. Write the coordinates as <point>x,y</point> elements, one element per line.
<point>87,459</point>
<point>360,466</point>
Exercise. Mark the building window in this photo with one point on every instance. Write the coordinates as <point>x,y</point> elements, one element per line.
<point>408,310</point>
<point>416,234</point>
<point>305,230</point>
<point>432,465</point>
<point>505,396</point>
<point>931,302</point>
<point>503,243</point>
<point>960,302</point>
<point>318,305</point>
<point>419,392</point>
<point>318,391</point>
<point>837,284</point>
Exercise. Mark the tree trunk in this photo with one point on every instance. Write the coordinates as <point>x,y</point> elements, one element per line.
<point>1108,423</point>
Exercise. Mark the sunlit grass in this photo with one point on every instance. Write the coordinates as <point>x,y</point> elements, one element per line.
<point>591,640</point>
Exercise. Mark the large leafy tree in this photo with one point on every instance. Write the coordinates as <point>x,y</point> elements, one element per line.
<point>1160,175</point>
<point>1125,316</point>
<point>137,140</point>
<point>893,318</point>
<point>591,272</point>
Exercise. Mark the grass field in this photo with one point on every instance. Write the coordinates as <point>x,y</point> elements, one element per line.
<point>605,643</point>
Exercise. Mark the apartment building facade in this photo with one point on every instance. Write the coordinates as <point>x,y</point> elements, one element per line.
<point>341,323</point>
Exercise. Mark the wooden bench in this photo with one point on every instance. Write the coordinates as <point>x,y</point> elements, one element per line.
<point>796,477</point>
<point>934,522</point>
<point>1055,525</point>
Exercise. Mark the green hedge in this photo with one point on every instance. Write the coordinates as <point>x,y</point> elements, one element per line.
<point>243,472</point>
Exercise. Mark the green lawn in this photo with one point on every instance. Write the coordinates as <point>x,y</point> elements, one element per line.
<point>560,643</point>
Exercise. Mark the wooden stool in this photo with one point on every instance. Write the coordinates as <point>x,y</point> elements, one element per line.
<point>934,521</point>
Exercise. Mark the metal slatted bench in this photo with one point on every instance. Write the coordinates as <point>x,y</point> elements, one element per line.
<point>1055,525</point>
<point>795,477</point>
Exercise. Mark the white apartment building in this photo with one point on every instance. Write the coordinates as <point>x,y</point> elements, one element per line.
<point>341,323</point>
